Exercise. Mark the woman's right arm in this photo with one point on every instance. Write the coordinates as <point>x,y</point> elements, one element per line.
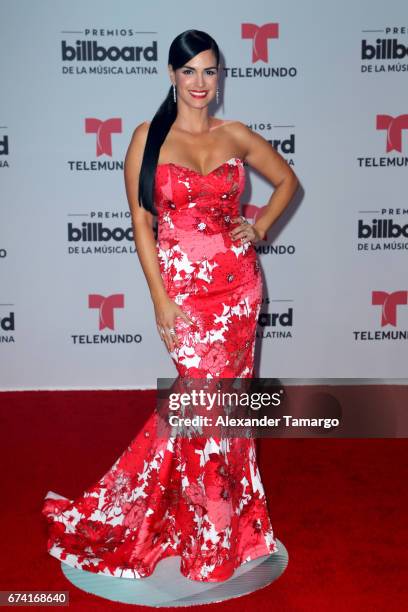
<point>142,222</point>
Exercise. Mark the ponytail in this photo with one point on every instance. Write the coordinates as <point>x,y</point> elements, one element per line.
<point>183,48</point>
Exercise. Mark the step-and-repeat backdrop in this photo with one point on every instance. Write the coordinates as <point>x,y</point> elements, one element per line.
<point>324,82</point>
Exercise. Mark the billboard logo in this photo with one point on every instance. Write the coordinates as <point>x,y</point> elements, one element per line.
<point>275,324</point>
<point>7,323</point>
<point>384,54</point>
<point>91,51</point>
<point>4,150</point>
<point>4,146</point>
<point>384,49</point>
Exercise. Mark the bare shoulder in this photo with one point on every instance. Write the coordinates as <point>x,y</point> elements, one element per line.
<point>140,131</point>
<point>236,128</point>
<point>241,134</point>
<point>239,129</point>
<point>138,141</point>
<point>259,153</point>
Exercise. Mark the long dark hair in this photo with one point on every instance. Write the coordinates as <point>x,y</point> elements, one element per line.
<point>183,48</point>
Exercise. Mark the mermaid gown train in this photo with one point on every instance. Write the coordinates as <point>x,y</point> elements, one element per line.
<point>200,498</point>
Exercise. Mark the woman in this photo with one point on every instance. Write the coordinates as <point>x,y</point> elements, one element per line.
<point>199,498</point>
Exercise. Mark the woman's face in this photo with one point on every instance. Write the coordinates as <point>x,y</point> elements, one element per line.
<point>199,74</point>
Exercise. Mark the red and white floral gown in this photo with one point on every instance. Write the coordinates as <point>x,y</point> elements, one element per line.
<point>200,498</point>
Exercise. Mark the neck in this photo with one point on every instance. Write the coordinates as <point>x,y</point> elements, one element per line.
<point>193,121</point>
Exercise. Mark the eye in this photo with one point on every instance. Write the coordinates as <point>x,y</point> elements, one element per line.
<point>188,71</point>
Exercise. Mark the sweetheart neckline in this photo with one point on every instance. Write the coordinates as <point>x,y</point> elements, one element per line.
<point>196,171</point>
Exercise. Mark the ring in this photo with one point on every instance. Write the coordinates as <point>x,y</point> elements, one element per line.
<point>172,331</point>
<point>243,219</point>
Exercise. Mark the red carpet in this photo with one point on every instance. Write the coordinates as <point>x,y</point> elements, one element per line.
<point>339,506</point>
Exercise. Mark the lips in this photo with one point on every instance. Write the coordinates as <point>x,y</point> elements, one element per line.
<point>198,94</point>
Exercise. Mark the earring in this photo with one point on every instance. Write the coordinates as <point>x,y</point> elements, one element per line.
<point>174,93</point>
<point>217,95</point>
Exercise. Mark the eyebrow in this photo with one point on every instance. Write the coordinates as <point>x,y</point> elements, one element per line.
<point>191,67</point>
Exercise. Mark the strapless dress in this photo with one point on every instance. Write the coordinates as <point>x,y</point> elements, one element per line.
<point>199,498</point>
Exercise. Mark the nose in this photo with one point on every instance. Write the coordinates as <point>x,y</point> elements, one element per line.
<point>200,80</point>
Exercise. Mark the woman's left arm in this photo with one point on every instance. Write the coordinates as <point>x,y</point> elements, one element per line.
<point>262,156</point>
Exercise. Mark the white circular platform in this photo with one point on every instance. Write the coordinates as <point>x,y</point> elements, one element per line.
<point>168,587</point>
